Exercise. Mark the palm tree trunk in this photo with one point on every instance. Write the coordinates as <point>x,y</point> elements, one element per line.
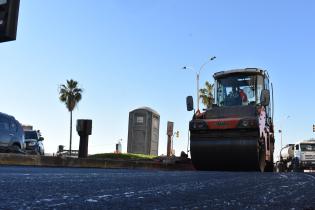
<point>70,132</point>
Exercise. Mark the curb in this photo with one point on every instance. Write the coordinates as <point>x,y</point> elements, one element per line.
<point>48,161</point>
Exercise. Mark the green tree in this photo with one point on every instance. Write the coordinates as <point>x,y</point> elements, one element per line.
<point>70,94</point>
<point>206,95</point>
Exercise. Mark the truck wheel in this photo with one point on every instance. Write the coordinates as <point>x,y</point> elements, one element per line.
<point>296,168</point>
<point>279,167</point>
<point>269,167</point>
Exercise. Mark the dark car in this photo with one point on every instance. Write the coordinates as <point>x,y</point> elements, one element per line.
<point>34,144</point>
<point>11,134</point>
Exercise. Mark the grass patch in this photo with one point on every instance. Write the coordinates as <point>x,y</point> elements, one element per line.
<point>123,156</point>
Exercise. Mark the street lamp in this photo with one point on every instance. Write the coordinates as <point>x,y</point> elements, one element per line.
<point>198,75</point>
<point>281,131</point>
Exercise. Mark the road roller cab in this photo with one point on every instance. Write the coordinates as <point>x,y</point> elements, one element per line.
<point>236,133</point>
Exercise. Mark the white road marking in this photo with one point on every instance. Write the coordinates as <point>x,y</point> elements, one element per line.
<point>91,200</point>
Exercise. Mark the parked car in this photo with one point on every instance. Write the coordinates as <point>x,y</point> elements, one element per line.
<point>11,134</point>
<point>33,140</point>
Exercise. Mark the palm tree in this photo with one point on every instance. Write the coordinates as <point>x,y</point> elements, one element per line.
<point>206,95</point>
<point>70,94</point>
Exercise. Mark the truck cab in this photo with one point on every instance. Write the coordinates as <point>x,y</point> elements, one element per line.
<point>304,155</point>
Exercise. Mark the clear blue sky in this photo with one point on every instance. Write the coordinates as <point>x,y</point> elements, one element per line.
<point>128,54</point>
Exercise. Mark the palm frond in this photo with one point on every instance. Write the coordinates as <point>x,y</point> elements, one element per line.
<point>206,94</point>
<point>70,94</point>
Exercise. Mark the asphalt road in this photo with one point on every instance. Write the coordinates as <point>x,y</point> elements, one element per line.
<point>74,188</point>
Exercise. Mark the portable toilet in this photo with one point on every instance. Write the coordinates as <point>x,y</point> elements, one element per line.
<point>143,131</point>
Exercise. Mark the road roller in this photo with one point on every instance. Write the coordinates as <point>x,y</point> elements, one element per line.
<point>235,132</point>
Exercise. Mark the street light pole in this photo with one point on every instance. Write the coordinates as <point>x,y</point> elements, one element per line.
<point>197,78</point>
<point>281,129</point>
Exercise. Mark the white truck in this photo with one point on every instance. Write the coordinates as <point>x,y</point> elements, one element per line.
<point>297,157</point>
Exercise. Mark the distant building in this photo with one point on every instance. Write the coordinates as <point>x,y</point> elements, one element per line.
<point>143,132</point>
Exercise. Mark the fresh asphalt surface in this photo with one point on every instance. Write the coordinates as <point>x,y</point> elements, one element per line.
<point>74,188</point>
